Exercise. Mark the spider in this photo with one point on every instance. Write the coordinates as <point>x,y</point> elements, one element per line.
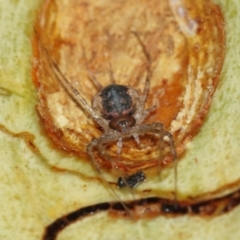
<point>119,110</point>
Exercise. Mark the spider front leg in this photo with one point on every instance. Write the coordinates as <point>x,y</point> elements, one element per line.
<point>141,114</point>
<point>95,143</point>
<point>99,144</point>
<point>106,138</point>
<point>76,96</point>
<point>146,113</point>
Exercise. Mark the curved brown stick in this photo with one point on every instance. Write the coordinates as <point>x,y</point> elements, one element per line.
<point>152,206</point>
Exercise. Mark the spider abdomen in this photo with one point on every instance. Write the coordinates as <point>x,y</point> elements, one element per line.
<point>116,101</point>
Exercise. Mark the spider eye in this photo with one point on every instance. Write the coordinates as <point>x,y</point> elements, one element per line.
<point>122,123</point>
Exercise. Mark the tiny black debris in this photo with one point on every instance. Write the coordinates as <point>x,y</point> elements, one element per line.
<point>131,181</point>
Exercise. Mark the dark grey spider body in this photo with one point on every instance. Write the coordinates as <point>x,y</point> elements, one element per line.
<point>118,107</point>
<point>119,110</point>
<point>116,101</point>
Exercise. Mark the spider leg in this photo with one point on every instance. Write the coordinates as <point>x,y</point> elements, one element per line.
<point>99,143</point>
<point>171,141</point>
<point>143,47</point>
<point>112,78</point>
<point>95,143</point>
<point>95,80</point>
<point>136,138</point>
<point>119,146</point>
<point>143,98</point>
<point>111,137</point>
<point>145,114</point>
<point>90,147</point>
<point>106,138</point>
<point>174,154</point>
<point>76,95</point>
<point>70,89</point>
<point>157,128</point>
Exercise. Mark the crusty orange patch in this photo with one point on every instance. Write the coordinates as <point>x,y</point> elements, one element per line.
<point>186,45</point>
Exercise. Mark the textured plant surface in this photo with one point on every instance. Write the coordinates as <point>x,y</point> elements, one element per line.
<point>40,182</point>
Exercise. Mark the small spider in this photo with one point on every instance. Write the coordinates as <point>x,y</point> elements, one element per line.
<point>119,110</point>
